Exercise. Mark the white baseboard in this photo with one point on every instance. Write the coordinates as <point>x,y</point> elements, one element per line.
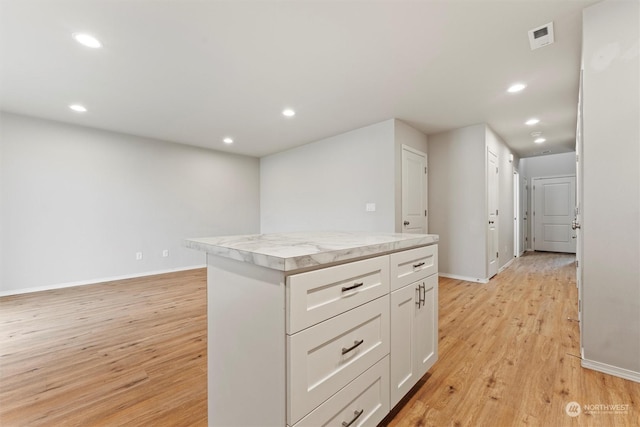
<point>94,281</point>
<point>611,370</point>
<point>465,278</point>
<point>507,265</point>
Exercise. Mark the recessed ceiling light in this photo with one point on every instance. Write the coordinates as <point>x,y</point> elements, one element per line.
<point>228,141</point>
<point>288,112</point>
<point>517,87</point>
<point>539,140</point>
<point>87,40</point>
<point>532,122</point>
<point>78,108</point>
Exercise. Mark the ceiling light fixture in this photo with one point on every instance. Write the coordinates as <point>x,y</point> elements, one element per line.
<point>288,112</point>
<point>532,121</point>
<point>539,140</point>
<point>228,140</point>
<point>516,87</point>
<point>78,108</point>
<point>87,40</point>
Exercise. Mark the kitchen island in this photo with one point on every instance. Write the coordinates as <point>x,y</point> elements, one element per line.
<point>307,328</point>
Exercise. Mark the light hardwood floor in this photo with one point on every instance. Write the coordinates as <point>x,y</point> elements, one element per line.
<point>133,353</point>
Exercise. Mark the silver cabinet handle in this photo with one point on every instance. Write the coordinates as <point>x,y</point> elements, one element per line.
<point>355,345</point>
<point>421,294</point>
<point>355,285</point>
<point>356,416</point>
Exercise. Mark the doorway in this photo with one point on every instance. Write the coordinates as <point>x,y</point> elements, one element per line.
<point>554,201</point>
<point>414,191</point>
<point>517,242</point>
<point>492,213</point>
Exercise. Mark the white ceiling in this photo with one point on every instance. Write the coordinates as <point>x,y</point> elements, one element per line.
<point>194,72</point>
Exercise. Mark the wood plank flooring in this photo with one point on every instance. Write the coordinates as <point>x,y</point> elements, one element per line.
<point>509,356</point>
<point>133,353</point>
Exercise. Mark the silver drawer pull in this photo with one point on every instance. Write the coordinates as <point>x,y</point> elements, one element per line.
<point>355,285</point>
<point>356,416</point>
<point>420,264</point>
<point>353,347</point>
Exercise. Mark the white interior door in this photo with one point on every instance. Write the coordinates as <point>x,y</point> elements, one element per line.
<point>554,201</point>
<point>525,215</point>
<point>516,213</point>
<point>414,191</point>
<point>492,213</point>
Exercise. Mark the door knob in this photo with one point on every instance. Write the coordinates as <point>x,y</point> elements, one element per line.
<point>575,224</point>
<point>406,223</point>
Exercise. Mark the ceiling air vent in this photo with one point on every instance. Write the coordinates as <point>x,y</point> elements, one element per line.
<point>541,36</point>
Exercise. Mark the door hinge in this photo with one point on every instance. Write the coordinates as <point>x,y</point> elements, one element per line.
<point>577,264</point>
<point>497,255</point>
<point>425,170</point>
<point>425,212</point>
<point>577,158</point>
<point>496,211</point>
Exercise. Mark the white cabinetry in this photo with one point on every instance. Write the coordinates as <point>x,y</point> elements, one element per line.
<point>414,321</point>
<point>327,346</point>
<point>338,344</point>
<point>326,357</point>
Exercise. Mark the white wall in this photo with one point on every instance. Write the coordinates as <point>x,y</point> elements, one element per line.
<point>541,166</point>
<point>550,165</point>
<point>78,203</point>
<point>611,164</point>
<point>457,200</point>
<point>325,185</point>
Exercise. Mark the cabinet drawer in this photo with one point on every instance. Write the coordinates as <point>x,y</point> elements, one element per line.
<point>414,264</point>
<point>365,400</point>
<point>320,294</point>
<point>326,357</point>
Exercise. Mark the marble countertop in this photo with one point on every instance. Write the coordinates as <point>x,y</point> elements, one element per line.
<point>294,251</point>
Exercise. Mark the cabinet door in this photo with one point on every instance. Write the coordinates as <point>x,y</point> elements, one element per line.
<point>403,364</point>
<point>414,334</point>
<point>426,325</point>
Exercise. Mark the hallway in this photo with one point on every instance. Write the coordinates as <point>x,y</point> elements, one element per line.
<point>509,355</point>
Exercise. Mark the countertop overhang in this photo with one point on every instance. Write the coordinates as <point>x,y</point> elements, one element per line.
<point>299,250</point>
